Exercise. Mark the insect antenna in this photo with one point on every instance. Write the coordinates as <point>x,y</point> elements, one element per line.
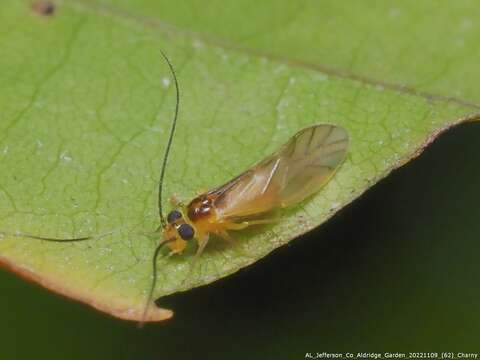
<point>160,210</point>
<point>154,279</point>
<point>160,189</point>
<point>169,142</point>
<point>57,240</point>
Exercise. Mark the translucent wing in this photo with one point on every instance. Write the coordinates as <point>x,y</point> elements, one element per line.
<point>296,171</point>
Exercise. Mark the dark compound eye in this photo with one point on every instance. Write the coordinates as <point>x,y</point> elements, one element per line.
<point>186,232</point>
<point>173,216</point>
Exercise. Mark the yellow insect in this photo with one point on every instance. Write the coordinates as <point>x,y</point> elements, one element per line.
<point>288,176</point>
<point>293,173</point>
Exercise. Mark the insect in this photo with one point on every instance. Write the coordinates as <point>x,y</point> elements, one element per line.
<point>293,173</point>
<point>297,170</point>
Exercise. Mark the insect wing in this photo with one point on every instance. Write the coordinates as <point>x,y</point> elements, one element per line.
<point>297,170</point>
<point>309,160</point>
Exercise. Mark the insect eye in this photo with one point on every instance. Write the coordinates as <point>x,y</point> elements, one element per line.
<point>186,232</point>
<point>173,216</point>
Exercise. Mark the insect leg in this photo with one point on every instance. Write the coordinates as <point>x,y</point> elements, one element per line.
<point>235,226</point>
<point>202,243</point>
<point>201,246</point>
<point>175,201</point>
<point>244,224</point>
<point>226,236</point>
<point>261,221</point>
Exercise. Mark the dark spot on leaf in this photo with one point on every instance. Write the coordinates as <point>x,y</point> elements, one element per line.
<point>43,7</point>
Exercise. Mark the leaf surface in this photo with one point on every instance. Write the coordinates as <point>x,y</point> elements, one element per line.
<point>86,102</point>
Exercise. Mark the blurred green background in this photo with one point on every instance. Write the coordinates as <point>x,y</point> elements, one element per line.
<point>397,270</point>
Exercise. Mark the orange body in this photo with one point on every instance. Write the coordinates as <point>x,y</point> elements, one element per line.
<point>202,215</point>
<point>297,170</point>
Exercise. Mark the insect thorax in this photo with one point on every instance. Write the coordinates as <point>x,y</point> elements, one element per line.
<point>200,208</point>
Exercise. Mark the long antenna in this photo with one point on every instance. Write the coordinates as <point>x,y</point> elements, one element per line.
<point>58,240</point>
<point>160,189</point>
<point>154,279</point>
<point>169,142</point>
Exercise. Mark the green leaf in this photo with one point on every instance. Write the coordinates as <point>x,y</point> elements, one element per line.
<point>86,102</point>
